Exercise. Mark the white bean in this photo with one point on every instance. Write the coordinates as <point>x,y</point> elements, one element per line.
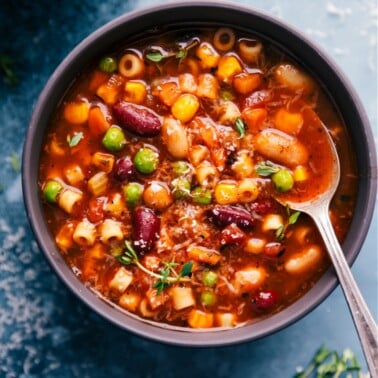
<point>303,261</point>
<point>175,138</point>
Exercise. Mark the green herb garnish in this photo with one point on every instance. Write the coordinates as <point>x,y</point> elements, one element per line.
<point>15,162</point>
<point>267,168</point>
<point>240,127</point>
<point>165,277</point>
<point>6,63</point>
<point>280,232</point>
<point>328,364</point>
<point>155,56</point>
<point>74,141</point>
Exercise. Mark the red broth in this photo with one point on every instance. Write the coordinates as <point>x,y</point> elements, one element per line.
<point>159,171</point>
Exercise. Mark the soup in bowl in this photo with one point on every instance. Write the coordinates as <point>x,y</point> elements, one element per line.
<point>160,151</point>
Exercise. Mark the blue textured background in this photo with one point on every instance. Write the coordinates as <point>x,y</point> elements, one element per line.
<point>44,330</point>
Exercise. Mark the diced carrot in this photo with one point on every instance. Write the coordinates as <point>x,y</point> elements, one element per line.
<point>203,254</point>
<point>76,112</point>
<point>289,122</point>
<point>169,93</point>
<point>98,78</point>
<point>200,319</point>
<point>246,83</point>
<point>208,56</point>
<point>97,122</point>
<point>254,118</point>
<point>228,67</point>
<point>110,90</point>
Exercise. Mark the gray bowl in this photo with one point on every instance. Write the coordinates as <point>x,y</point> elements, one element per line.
<point>128,27</point>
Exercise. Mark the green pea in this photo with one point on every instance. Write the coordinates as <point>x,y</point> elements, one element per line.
<point>208,298</point>
<point>114,139</point>
<point>283,180</point>
<point>108,64</point>
<point>180,168</point>
<point>51,190</point>
<point>209,278</point>
<point>133,192</point>
<point>181,188</point>
<point>146,160</point>
<point>202,196</point>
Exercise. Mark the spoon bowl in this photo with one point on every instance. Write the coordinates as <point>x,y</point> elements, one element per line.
<point>318,209</point>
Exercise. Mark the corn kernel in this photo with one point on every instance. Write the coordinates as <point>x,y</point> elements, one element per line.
<point>208,86</point>
<point>243,166</point>
<point>135,91</point>
<point>226,193</point>
<point>300,173</point>
<point>185,107</point>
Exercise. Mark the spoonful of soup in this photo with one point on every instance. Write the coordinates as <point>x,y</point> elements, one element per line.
<point>315,201</point>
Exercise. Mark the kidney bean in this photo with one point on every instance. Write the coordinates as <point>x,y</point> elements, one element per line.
<point>262,206</point>
<point>225,215</point>
<point>232,234</point>
<point>124,169</point>
<point>264,301</point>
<point>137,119</point>
<point>257,99</point>
<point>96,209</point>
<point>146,229</point>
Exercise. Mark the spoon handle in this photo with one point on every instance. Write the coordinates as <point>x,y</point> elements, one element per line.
<point>364,322</point>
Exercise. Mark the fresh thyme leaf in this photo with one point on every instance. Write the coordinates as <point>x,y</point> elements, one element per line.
<point>280,233</point>
<point>182,54</point>
<point>15,162</point>
<point>266,168</point>
<point>327,364</point>
<point>227,95</point>
<point>74,141</point>
<point>240,127</point>
<point>6,63</point>
<point>155,56</point>
<point>186,269</point>
<point>293,218</point>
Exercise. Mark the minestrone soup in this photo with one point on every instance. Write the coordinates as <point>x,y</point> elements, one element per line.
<point>161,166</point>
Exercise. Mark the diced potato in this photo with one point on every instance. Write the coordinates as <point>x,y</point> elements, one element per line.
<point>130,301</point>
<point>110,90</point>
<point>229,112</point>
<point>200,319</point>
<point>255,245</point>
<point>121,280</point>
<point>198,153</point>
<point>182,297</point>
<point>249,279</point>
<point>74,174</point>
<point>64,238</point>
<point>243,166</point>
<point>293,78</point>
<point>272,222</point>
<point>98,184</point>
<point>188,83</point>
<point>116,204</point>
<point>156,300</point>
<point>225,319</point>
<point>208,86</point>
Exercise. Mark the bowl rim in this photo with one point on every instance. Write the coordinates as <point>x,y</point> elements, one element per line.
<point>161,332</point>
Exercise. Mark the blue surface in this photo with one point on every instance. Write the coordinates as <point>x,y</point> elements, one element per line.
<point>44,330</point>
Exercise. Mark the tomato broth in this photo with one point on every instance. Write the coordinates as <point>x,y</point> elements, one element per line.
<point>161,166</point>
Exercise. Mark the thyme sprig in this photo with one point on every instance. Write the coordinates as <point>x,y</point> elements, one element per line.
<point>6,63</point>
<point>157,56</point>
<point>165,277</point>
<point>327,364</point>
<point>267,168</point>
<point>292,219</point>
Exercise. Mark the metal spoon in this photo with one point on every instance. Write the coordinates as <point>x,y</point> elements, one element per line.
<point>318,209</point>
